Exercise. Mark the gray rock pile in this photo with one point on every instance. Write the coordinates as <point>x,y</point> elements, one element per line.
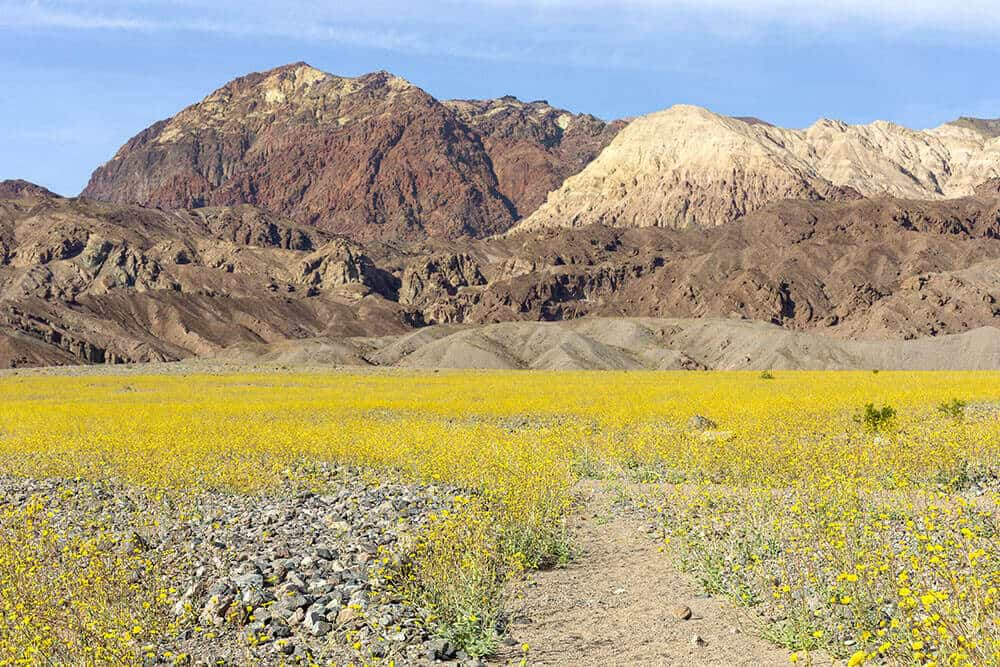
<point>286,577</point>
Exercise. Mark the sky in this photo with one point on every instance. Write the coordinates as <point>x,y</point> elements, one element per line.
<point>78,78</point>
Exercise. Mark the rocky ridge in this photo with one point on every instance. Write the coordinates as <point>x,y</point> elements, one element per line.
<point>18,188</point>
<point>533,146</point>
<point>91,282</point>
<point>689,167</point>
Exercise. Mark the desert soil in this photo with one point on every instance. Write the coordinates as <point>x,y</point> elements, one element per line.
<point>612,604</point>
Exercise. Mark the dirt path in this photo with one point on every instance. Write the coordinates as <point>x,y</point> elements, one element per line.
<point>612,605</point>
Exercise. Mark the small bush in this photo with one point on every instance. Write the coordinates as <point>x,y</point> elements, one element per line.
<point>954,408</point>
<point>876,420</point>
<point>767,375</point>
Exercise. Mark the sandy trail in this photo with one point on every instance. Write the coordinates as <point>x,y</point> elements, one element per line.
<point>611,605</point>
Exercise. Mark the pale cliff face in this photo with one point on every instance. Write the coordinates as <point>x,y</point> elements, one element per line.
<point>689,167</point>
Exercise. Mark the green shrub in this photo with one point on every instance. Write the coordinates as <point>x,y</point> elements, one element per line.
<point>954,408</point>
<point>876,420</point>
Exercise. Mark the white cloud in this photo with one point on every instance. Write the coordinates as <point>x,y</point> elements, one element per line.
<point>514,30</point>
<point>372,24</point>
<point>981,16</point>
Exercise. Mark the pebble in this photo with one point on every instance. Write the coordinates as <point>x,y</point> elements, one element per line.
<point>701,423</point>
<point>681,612</point>
<point>440,649</point>
<point>697,640</point>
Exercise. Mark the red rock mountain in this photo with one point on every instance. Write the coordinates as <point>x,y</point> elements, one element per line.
<point>372,157</point>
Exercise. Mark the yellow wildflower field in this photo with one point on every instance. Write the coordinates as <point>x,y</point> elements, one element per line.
<point>871,535</point>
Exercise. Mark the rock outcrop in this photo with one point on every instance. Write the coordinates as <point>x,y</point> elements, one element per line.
<point>17,188</point>
<point>534,147</point>
<point>93,282</point>
<point>689,167</point>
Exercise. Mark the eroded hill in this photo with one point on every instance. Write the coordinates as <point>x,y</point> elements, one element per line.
<point>85,281</point>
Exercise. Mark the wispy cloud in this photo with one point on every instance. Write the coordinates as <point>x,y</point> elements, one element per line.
<point>360,21</point>
<point>369,25</point>
<point>607,34</point>
<point>970,16</point>
<point>34,14</point>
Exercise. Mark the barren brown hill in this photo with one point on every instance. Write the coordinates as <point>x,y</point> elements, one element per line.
<point>14,189</point>
<point>872,268</point>
<point>98,282</point>
<point>372,157</point>
<point>94,282</point>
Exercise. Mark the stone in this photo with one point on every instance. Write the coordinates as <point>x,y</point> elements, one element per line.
<point>279,628</point>
<point>440,649</point>
<point>697,640</point>
<point>314,616</point>
<point>253,580</point>
<point>297,617</point>
<point>215,609</point>
<point>320,629</point>
<point>701,423</point>
<point>293,602</point>
<point>320,586</point>
<point>681,612</point>
<point>346,616</point>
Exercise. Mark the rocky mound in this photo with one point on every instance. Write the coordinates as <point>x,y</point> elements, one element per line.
<point>15,189</point>
<point>279,578</point>
<point>689,167</point>
<point>372,157</point>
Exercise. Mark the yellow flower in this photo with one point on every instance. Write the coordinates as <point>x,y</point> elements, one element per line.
<point>858,658</point>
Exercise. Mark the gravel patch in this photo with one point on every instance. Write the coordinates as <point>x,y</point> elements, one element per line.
<point>279,578</point>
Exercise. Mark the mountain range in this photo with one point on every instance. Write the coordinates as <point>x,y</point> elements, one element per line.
<point>295,205</point>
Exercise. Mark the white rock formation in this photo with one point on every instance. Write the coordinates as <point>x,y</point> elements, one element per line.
<point>689,167</point>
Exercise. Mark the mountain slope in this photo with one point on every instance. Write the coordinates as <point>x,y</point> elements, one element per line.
<point>688,167</point>
<point>93,282</point>
<point>372,157</point>
<point>631,344</point>
<point>534,147</point>
<point>14,189</point>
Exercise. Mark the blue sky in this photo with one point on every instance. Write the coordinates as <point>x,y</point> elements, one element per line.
<point>79,77</point>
